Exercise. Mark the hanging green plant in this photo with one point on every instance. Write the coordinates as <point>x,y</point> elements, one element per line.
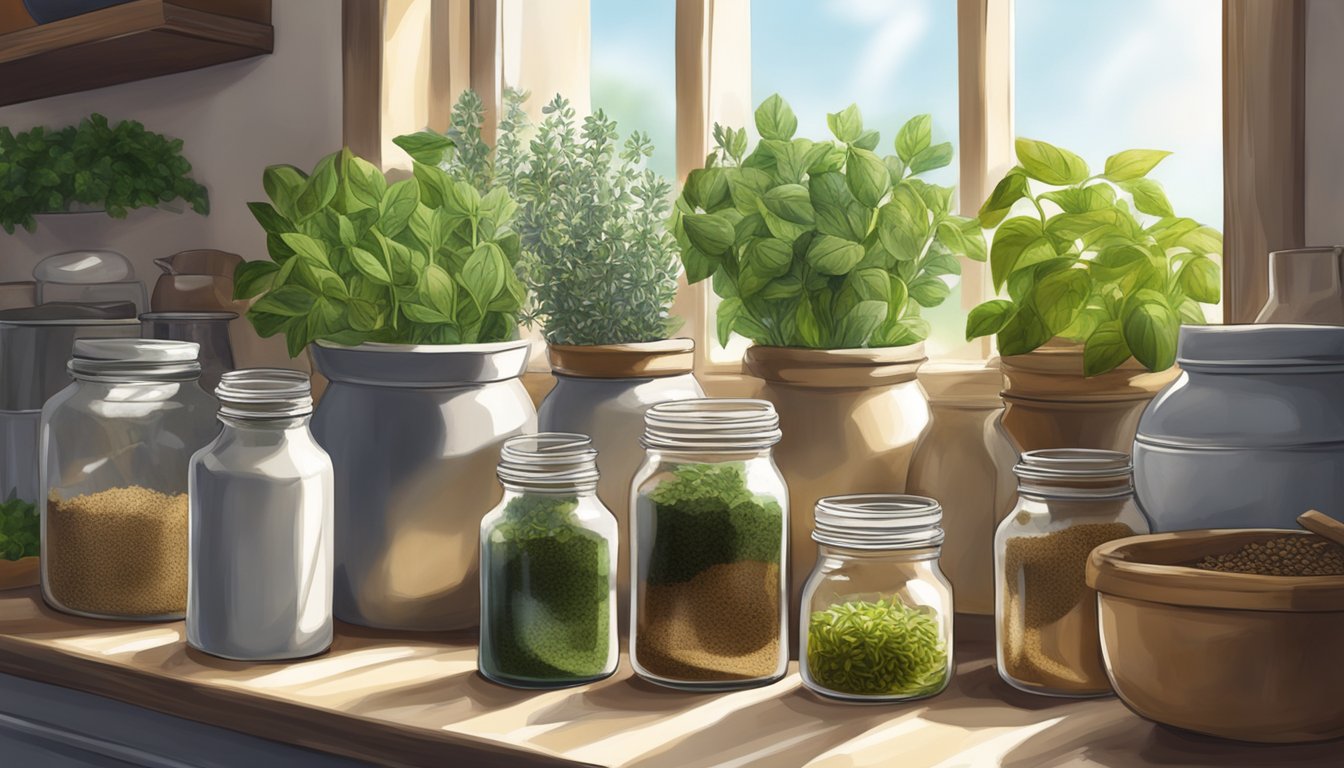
<point>823,244</point>
<point>113,168</point>
<point>1102,259</point>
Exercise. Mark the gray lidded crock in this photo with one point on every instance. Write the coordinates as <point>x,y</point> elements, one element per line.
<point>414,433</point>
<point>1252,432</point>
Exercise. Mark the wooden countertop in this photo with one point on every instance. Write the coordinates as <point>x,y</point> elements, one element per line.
<point>417,701</point>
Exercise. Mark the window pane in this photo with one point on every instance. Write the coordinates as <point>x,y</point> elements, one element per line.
<point>1101,77</point>
<point>634,72</point>
<point>894,59</point>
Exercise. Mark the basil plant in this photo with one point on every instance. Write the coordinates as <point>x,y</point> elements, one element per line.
<point>823,244</point>
<point>427,260</point>
<point>1099,259</point>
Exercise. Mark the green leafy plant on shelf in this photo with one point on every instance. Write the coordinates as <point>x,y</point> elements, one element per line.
<point>823,244</point>
<point>597,256</point>
<point>114,168</point>
<point>1101,259</point>
<point>427,260</point>
<point>20,529</point>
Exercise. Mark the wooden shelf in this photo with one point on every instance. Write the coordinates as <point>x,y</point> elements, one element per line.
<point>132,41</point>
<point>415,700</point>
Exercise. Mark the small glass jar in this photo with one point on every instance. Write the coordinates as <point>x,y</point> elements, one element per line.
<point>1069,502</point>
<point>709,531</point>
<point>261,525</point>
<point>877,610</point>
<point>548,568</point>
<point>116,445</point>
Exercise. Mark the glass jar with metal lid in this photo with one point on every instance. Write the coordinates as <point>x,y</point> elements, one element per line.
<point>116,445</point>
<point>877,610</point>
<point>708,534</point>
<point>261,524</point>
<point>548,568</point>
<point>1069,502</point>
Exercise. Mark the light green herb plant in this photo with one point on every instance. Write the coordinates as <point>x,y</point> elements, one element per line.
<point>818,243</point>
<point>880,648</point>
<point>597,257</point>
<point>427,260</point>
<point>20,529</point>
<point>1103,260</point>
<point>112,167</point>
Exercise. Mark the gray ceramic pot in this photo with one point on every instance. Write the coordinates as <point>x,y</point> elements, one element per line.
<point>603,392</point>
<point>414,434</point>
<point>1252,433</point>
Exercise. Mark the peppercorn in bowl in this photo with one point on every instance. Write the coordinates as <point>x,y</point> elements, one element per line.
<point>1207,631</point>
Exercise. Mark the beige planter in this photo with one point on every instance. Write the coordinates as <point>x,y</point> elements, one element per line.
<point>850,419</point>
<point>1048,403</point>
<point>965,461</point>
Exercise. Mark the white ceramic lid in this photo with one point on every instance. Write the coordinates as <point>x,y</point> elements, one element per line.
<point>136,350</point>
<point>84,267</point>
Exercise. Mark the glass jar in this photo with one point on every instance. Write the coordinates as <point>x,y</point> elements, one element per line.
<point>261,525</point>
<point>548,568</point>
<point>877,610</point>
<point>709,604</point>
<point>116,445</point>
<point>1069,502</point>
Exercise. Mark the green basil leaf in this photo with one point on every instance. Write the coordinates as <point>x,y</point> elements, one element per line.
<point>283,184</point>
<point>775,120</point>
<point>867,140</point>
<point>786,287</point>
<point>906,330</point>
<point>426,147</point>
<point>789,202</point>
<point>847,124</point>
<point>914,137</point>
<point>903,223</point>
<point>809,330</point>
<point>364,182</point>
<point>1132,164</point>
<point>1105,350</point>
<point>438,290</point>
<point>859,323</point>
<point>1050,164</point>
<point>988,318</point>
<point>866,176</point>
<point>1200,279</point>
<point>745,186</point>
<point>318,191</point>
<point>833,255</point>
<point>963,237</point>
<point>770,257</point>
<point>710,232</point>
<point>1148,197</point>
<point>837,212</point>
<point>929,158</point>
<point>269,218</point>
<point>306,247</point>
<point>1060,296</point>
<point>730,310</point>
<point>928,291</point>
<point>253,277</point>
<point>698,265</point>
<point>1024,331</point>
<point>287,301</point>
<point>1011,188</point>
<point>369,266</point>
<point>1151,329</point>
<point>870,284</point>
<point>1018,242</point>
<point>483,274</point>
<point>364,315</point>
<point>397,207</point>
<point>1202,240</point>
<point>422,314</point>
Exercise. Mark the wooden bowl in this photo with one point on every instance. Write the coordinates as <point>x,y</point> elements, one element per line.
<point>19,573</point>
<point>1239,656</point>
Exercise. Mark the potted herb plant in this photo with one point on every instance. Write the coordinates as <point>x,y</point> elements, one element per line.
<point>408,296</point>
<point>823,253</point>
<point>601,267</point>
<point>95,166</point>
<point>1100,273</point>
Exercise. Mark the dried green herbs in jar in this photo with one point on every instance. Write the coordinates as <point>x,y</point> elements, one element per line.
<point>547,594</point>
<point>876,648</point>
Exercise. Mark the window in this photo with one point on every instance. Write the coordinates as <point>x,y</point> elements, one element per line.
<point>634,72</point>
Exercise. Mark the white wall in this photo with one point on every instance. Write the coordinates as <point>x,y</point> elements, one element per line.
<point>1325,123</point>
<point>235,119</point>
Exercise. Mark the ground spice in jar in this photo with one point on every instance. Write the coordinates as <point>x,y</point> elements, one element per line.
<point>549,592</point>
<point>876,648</point>
<point>118,552</point>
<point>1284,556</point>
<point>1049,633</point>
<point>711,601</point>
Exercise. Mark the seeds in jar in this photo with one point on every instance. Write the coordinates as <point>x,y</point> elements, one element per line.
<point>122,551</point>
<point>876,648</point>
<point>1283,556</point>
<point>548,592</point>
<point>711,592</point>
<point>1049,632</point>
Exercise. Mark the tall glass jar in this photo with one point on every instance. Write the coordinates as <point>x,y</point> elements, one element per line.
<point>1069,502</point>
<point>709,531</point>
<point>116,445</point>
<point>548,568</point>
<point>261,525</point>
<point>876,620</point>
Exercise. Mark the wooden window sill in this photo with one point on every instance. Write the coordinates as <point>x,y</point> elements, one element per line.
<point>416,700</point>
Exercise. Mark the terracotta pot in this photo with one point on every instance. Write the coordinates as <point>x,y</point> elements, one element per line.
<point>23,572</point>
<point>965,461</point>
<point>1048,403</point>
<point>850,419</point>
<point>603,391</point>
<point>1241,656</point>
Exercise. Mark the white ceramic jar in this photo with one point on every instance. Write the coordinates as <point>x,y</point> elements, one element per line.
<point>260,578</point>
<point>1252,433</point>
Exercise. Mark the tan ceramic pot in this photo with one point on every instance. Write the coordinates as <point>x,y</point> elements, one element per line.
<point>1048,403</point>
<point>1240,656</point>
<point>23,572</point>
<point>850,419</point>
<point>965,461</point>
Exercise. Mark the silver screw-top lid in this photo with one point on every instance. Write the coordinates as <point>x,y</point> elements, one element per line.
<point>879,521</point>
<point>552,461</point>
<point>711,424</point>
<point>264,393</point>
<point>134,359</point>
